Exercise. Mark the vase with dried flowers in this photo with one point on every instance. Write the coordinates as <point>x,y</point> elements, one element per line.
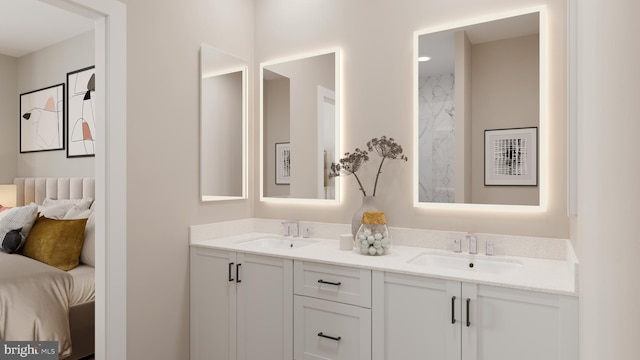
<point>386,148</point>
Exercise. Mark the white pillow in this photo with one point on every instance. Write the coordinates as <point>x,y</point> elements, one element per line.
<point>88,253</point>
<point>83,203</point>
<point>16,218</point>
<point>57,211</point>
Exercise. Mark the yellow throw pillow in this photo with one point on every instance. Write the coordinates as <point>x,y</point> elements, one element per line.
<point>56,242</point>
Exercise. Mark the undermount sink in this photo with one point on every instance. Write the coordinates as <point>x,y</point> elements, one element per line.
<point>278,243</point>
<point>479,264</point>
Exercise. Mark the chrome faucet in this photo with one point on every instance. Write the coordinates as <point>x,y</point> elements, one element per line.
<point>473,244</point>
<point>291,228</point>
<point>489,248</point>
<point>457,245</point>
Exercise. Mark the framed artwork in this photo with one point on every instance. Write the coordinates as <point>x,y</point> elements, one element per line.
<point>42,119</point>
<point>283,163</point>
<point>81,125</point>
<point>511,157</point>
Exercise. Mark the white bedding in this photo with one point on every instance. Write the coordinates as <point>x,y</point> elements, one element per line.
<point>34,301</point>
<point>83,288</point>
<point>49,320</point>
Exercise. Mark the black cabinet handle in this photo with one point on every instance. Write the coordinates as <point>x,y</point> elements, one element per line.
<point>230,266</point>
<point>468,321</point>
<point>330,283</point>
<point>453,309</point>
<point>329,337</point>
<point>238,273</point>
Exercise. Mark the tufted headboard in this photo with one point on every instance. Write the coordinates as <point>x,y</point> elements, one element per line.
<point>39,188</point>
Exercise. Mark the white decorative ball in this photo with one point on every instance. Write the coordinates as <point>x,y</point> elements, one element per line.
<point>372,250</point>
<point>377,236</point>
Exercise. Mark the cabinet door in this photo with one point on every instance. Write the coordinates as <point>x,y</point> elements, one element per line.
<point>415,317</point>
<point>329,330</point>
<point>507,324</point>
<point>265,307</point>
<point>213,305</point>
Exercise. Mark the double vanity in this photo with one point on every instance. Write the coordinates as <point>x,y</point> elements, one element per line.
<point>260,295</point>
<point>481,149</point>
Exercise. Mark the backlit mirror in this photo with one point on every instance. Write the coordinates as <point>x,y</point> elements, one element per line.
<point>300,102</point>
<point>480,112</point>
<point>223,126</point>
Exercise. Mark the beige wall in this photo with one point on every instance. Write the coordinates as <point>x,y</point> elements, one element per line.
<point>9,109</point>
<point>608,171</point>
<point>377,95</point>
<point>163,42</point>
<point>43,68</point>
<point>39,69</point>
<point>505,93</point>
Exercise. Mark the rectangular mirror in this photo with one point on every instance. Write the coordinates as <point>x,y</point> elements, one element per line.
<point>299,127</point>
<point>479,109</point>
<point>223,126</point>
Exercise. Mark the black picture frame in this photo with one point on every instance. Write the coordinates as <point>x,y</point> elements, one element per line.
<point>511,157</point>
<point>80,118</point>
<point>283,163</point>
<point>42,119</point>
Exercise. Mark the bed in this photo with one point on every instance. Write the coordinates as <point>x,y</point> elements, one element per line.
<point>52,303</point>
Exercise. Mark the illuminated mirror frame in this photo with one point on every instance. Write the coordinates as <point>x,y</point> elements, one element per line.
<point>543,135</point>
<point>338,140</point>
<point>245,103</point>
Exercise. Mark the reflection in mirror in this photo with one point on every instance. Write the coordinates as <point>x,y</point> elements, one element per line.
<point>471,79</point>
<point>299,127</point>
<point>223,125</point>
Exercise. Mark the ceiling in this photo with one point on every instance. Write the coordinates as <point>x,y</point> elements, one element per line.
<point>440,46</point>
<point>30,25</point>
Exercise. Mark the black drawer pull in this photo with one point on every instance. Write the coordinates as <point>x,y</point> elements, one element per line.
<point>453,309</point>
<point>329,282</point>
<point>238,273</point>
<point>468,321</point>
<point>230,266</point>
<point>329,337</point>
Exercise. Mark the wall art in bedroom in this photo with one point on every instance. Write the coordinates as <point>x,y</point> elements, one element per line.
<point>42,119</point>
<point>81,129</point>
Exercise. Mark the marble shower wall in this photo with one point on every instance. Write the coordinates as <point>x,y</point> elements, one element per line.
<point>437,138</point>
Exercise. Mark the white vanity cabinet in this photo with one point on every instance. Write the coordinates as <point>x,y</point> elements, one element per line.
<point>416,317</point>
<point>332,312</point>
<point>241,306</point>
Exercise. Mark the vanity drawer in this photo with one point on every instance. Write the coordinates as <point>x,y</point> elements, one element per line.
<point>335,283</point>
<point>331,331</point>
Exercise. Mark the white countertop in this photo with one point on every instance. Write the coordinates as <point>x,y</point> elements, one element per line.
<point>550,276</point>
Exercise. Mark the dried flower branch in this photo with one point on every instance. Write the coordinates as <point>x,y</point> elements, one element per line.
<point>349,165</point>
<point>385,147</point>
